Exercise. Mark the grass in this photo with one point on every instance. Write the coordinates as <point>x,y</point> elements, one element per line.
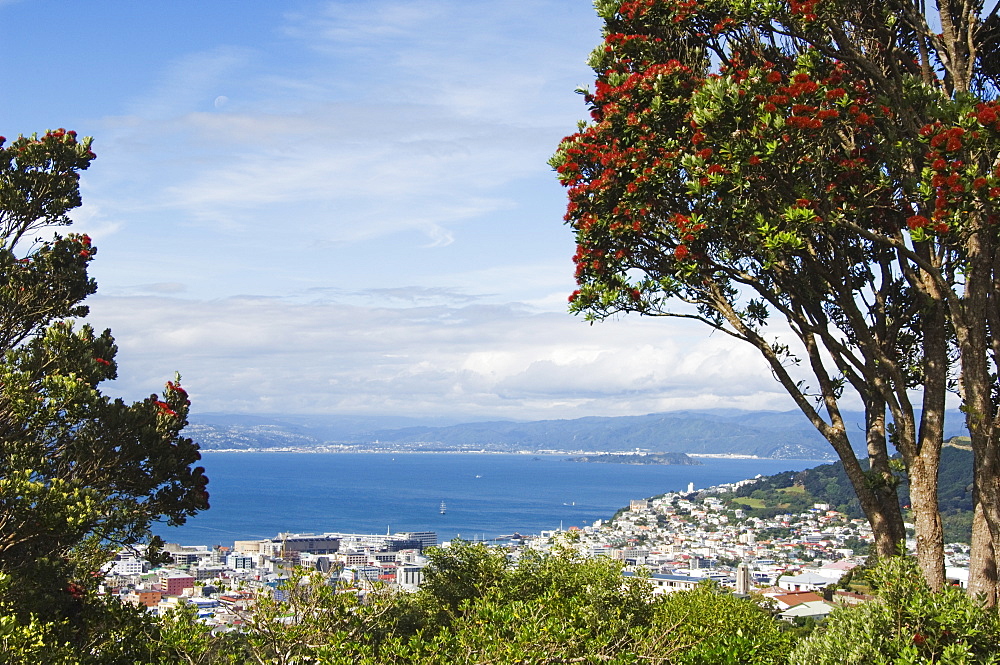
<point>749,503</point>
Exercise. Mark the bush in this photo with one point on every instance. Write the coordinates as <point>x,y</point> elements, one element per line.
<point>906,623</point>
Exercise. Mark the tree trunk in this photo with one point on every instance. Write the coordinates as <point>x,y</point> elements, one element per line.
<point>879,503</point>
<point>987,500</point>
<point>972,332</point>
<point>882,482</point>
<point>925,463</point>
<point>927,520</point>
<point>983,563</point>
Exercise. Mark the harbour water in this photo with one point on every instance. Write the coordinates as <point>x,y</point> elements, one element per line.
<point>258,495</point>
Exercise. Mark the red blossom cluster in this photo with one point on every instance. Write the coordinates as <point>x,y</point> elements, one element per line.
<point>987,114</point>
<point>164,408</point>
<point>804,8</point>
<point>682,9</point>
<point>59,133</point>
<point>952,158</point>
<point>76,591</point>
<point>808,103</point>
<point>801,122</point>
<point>725,24</point>
<point>635,8</point>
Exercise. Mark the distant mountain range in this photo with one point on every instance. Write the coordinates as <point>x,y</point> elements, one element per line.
<point>771,434</point>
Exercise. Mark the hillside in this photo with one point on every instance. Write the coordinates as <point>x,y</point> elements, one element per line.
<point>768,434</point>
<point>793,491</point>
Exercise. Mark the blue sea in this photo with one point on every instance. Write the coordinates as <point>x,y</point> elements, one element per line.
<point>258,495</point>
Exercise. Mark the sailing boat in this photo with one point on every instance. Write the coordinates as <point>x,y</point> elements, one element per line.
<point>444,508</point>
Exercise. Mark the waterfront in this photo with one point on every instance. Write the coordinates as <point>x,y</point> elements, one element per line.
<point>256,495</point>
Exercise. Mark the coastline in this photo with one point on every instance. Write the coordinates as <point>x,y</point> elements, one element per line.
<point>266,493</point>
<point>541,453</point>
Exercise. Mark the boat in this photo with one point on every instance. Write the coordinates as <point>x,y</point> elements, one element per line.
<point>444,508</point>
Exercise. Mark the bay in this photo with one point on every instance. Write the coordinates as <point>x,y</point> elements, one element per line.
<point>258,495</point>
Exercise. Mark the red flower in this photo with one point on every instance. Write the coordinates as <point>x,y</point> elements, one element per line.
<point>681,252</point>
<point>919,639</point>
<point>774,77</point>
<point>754,160</point>
<point>978,183</point>
<point>102,361</point>
<point>987,116</point>
<point>917,222</point>
<point>705,153</point>
<point>165,409</point>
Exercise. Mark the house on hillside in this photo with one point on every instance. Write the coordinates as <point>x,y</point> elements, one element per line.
<point>804,582</point>
<point>814,609</point>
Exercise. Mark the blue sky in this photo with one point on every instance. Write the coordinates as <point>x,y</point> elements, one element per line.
<point>344,207</point>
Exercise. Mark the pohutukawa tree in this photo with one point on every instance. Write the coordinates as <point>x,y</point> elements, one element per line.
<point>817,178</point>
<point>80,473</point>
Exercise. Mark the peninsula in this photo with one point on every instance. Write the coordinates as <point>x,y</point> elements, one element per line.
<point>637,458</point>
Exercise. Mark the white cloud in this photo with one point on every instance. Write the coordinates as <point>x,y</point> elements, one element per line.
<point>265,354</point>
<point>375,179</point>
<point>406,117</point>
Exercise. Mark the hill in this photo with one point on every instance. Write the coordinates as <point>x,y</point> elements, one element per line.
<point>794,491</point>
<point>767,434</point>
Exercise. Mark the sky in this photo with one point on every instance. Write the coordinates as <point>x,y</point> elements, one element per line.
<point>345,208</point>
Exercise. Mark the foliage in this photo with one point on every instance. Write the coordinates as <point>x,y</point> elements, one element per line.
<point>906,623</point>
<point>817,179</point>
<point>546,608</point>
<point>99,631</point>
<point>80,473</point>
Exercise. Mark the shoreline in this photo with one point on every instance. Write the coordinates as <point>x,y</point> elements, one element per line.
<point>539,453</point>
